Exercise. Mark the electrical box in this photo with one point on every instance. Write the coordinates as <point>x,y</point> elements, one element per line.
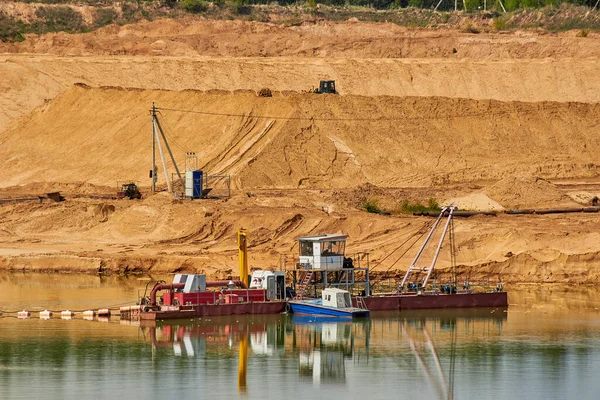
<point>193,184</point>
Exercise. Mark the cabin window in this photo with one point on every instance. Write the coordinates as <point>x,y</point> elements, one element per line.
<point>306,249</point>
<point>332,248</point>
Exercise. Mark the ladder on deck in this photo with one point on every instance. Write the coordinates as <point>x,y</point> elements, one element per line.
<point>301,288</point>
<point>360,303</point>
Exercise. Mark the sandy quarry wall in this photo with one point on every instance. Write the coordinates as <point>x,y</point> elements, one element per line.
<point>301,140</point>
<point>29,81</point>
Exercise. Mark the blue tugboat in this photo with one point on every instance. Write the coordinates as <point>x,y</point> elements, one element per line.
<point>333,303</point>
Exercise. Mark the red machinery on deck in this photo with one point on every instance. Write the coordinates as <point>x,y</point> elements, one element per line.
<point>234,296</point>
<point>188,297</point>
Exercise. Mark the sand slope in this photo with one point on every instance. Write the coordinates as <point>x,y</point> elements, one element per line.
<point>301,140</point>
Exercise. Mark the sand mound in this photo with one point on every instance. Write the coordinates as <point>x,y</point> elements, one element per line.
<point>159,199</point>
<point>68,188</point>
<point>584,198</point>
<point>475,202</point>
<point>523,192</point>
<point>102,211</point>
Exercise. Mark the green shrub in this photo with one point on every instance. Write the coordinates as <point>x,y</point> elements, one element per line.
<point>58,19</point>
<point>471,5</point>
<point>194,6</point>
<point>530,4</point>
<point>583,33</point>
<point>372,206</point>
<point>406,207</point>
<point>470,29</point>
<point>105,16</point>
<point>511,5</point>
<point>11,30</point>
<point>241,7</point>
<point>499,24</point>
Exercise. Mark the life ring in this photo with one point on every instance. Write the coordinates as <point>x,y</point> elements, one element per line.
<point>287,307</point>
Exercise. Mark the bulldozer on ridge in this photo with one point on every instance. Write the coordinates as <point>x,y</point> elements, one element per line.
<point>326,87</point>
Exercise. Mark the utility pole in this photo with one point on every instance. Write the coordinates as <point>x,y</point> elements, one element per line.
<point>153,170</point>
<point>157,133</point>
<point>156,141</point>
<point>162,133</point>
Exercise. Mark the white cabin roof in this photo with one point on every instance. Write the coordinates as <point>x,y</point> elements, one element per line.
<point>324,238</point>
<point>334,290</point>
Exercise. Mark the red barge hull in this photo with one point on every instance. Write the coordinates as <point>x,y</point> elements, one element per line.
<point>422,302</point>
<point>373,303</point>
<point>215,310</point>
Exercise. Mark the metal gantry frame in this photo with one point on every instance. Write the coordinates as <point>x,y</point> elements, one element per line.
<point>446,213</point>
<point>356,277</point>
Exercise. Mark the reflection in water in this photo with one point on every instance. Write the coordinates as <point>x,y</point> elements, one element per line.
<point>325,349</point>
<point>547,345</point>
<point>324,345</point>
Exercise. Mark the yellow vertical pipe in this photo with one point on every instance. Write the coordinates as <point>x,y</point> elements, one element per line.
<point>243,364</point>
<point>243,255</point>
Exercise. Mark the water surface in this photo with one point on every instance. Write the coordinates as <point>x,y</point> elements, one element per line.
<point>546,345</point>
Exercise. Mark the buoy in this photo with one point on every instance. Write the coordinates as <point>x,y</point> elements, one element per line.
<point>89,315</point>
<point>105,312</point>
<point>23,314</point>
<point>46,314</point>
<point>67,314</point>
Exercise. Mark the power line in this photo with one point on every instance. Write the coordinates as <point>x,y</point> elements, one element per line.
<point>403,118</point>
<point>167,132</point>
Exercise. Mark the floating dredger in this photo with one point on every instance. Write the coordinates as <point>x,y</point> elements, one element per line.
<point>321,265</point>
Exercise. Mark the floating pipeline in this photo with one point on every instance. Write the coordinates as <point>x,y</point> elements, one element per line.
<point>564,210</point>
<point>104,313</point>
<point>464,214</point>
<point>525,211</point>
<point>53,196</point>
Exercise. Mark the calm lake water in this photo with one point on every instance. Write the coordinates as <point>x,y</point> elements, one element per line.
<point>545,346</point>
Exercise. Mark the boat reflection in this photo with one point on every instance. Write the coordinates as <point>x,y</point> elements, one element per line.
<point>324,345</point>
<point>329,350</point>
